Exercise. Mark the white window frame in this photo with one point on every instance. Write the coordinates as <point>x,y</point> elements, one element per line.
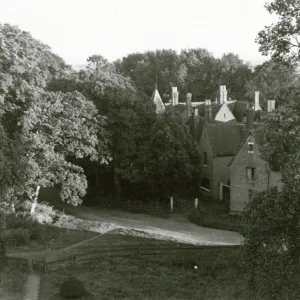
<point>251,143</point>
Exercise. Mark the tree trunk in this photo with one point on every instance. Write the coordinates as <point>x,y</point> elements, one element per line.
<point>34,199</point>
<point>2,244</point>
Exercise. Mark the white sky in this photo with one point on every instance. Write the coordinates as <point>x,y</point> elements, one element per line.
<point>76,29</point>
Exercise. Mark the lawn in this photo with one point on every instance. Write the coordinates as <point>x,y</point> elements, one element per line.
<point>30,235</point>
<point>12,278</point>
<point>218,276</point>
<point>114,241</point>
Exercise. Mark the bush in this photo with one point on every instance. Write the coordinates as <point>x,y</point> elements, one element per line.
<point>12,278</point>
<point>21,235</point>
<point>73,288</point>
<point>215,219</point>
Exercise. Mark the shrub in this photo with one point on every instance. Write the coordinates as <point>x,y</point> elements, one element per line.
<point>21,235</point>
<point>73,288</point>
<point>12,278</point>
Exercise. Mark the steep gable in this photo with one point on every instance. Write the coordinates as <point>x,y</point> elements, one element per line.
<point>224,114</point>
<point>160,108</point>
<point>255,136</point>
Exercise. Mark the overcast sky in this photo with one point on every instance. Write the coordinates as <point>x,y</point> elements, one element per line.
<point>76,29</point>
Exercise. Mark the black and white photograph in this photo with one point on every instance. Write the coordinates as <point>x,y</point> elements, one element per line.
<point>150,150</point>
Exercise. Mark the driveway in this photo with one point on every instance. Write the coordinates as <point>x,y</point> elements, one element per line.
<point>176,228</point>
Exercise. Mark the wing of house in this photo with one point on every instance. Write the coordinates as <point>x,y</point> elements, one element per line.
<point>249,172</point>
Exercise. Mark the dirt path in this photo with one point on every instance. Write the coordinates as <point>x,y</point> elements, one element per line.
<point>177,229</point>
<point>32,286</point>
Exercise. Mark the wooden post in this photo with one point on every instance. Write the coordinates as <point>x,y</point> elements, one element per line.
<point>196,202</point>
<point>221,191</point>
<point>171,203</point>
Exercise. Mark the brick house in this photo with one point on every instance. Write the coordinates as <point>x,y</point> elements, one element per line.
<point>249,173</point>
<point>219,143</point>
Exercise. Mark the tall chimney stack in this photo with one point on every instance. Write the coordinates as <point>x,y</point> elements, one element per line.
<point>250,119</point>
<point>173,100</point>
<point>176,97</point>
<point>207,110</point>
<point>271,105</point>
<point>188,105</point>
<point>223,94</point>
<point>256,102</point>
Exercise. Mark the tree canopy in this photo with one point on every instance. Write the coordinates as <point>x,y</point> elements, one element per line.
<point>42,129</point>
<point>281,39</point>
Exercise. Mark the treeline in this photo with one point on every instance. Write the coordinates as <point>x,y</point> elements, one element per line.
<point>96,129</point>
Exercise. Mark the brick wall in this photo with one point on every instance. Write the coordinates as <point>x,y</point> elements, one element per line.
<point>240,185</point>
<point>207,170</point>
<point>221,173</point>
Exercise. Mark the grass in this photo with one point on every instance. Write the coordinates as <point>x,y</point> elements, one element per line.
<point>215,215</point>
<point>43,236</point>
<point>12,278</point>
<point>218,276</point>
<point>116,240</point>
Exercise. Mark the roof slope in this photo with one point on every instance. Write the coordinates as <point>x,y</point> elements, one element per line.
<point>160,108</point>
<point>225,138</point>
<point>258,135</point>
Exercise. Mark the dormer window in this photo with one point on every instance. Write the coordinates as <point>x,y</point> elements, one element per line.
<point>250,147</point>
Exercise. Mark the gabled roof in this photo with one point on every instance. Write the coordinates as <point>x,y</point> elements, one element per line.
<point>258,135</point>
<point>225,138</point>
<point>160,108</point>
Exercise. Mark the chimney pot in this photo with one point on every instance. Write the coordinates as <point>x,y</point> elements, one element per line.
<point>271,105</point>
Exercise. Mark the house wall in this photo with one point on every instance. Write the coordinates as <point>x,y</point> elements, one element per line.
<point>239,185</point>
<point>221,173</point>
<point>207,170</point>
<point>224,114</point>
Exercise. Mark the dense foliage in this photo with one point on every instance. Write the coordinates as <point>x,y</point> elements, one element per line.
<point>281,39</point>
<point>195,71</point>
<point>271,219</point>
<point>40,130</point>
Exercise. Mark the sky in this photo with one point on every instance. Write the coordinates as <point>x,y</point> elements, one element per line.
<point>77,29</point>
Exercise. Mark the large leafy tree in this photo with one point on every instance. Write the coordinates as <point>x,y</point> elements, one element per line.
<point>273,81</point>
<point>42,129</point>
<point>281,39</point>
<point>172,163</point>
<point>145,69</point>
<point>271,219</point>
<point>235,74</point>
<point>200,75</point>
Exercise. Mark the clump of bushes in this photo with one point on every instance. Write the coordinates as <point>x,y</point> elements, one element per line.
<point>73,288</point>
<point>25,229</point>
<point>21,235</point>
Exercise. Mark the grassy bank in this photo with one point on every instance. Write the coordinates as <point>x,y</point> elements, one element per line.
<point>12,278</point>
<point>31,235</point>
<point>215,215</point>
<point>218,276</point>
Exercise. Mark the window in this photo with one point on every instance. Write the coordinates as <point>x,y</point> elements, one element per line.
<point>205,159</point>
<point>224,115</point>
<point>250,194</point>
<point>250,147</point>
<point>205,184</point>
<point>250,172</point>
